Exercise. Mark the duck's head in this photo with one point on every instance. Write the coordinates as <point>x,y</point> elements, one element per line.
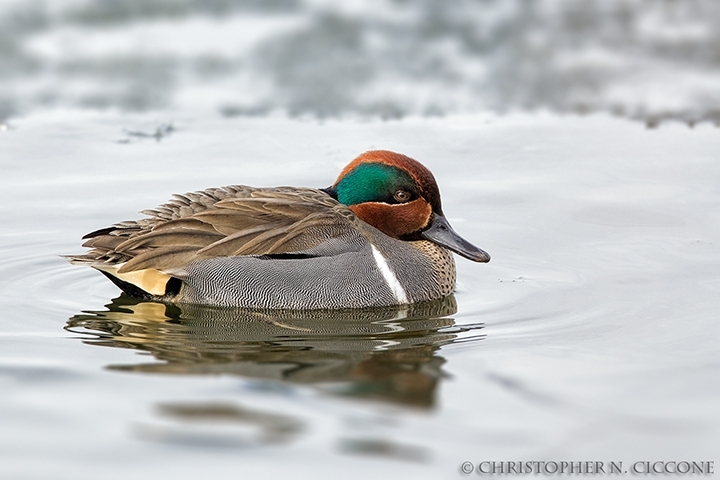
<point>399,196</point>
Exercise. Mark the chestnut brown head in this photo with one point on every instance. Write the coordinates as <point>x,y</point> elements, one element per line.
<point>400,197</point>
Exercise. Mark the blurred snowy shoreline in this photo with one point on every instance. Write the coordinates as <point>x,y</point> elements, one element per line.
<point>650,61</point>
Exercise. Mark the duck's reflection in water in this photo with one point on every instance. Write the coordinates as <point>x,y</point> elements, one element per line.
<point>388,354</point>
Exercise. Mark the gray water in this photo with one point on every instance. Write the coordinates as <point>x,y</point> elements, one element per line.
<point>591,335</point>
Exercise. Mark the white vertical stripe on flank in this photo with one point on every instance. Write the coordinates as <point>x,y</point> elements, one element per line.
<point>389,276</point>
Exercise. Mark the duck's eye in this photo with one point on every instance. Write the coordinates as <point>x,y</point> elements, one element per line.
<point>401,196</point>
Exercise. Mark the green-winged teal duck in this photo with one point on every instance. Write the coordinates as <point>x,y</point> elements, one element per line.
<point>376,237</point>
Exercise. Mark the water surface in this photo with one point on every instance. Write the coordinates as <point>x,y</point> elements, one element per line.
<point>592,334</point>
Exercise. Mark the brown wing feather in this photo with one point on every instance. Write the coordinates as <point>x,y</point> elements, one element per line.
<point>189,237</point>
<point>163,259</point>
<point>230,244</point>
<point>228,221</point>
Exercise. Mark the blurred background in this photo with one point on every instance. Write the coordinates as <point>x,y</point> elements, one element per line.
<point>650,60</point>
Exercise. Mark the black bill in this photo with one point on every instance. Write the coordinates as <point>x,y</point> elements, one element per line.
<point>442,233</point>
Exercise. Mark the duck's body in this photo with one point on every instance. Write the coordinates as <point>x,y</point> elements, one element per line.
<point>348,246</point>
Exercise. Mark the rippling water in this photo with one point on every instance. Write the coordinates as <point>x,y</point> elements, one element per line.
<point>591,335</point>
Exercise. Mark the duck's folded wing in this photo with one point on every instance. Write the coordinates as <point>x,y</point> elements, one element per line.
<point>230,221</point>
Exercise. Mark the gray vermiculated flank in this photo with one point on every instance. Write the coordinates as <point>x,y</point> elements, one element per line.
<point>346,280</point>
